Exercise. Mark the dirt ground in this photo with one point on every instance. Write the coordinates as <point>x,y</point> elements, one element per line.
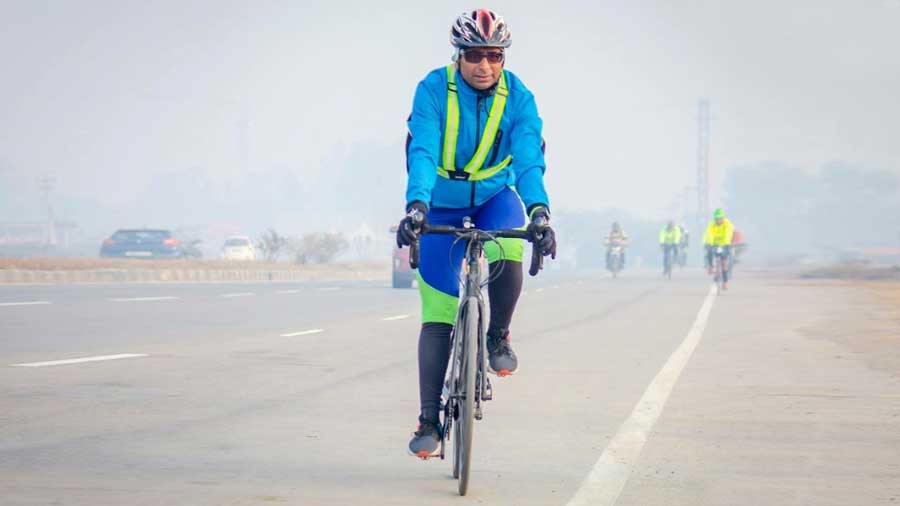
<point>869,324</point>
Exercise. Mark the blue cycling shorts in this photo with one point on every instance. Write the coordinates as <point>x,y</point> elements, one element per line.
<point>441,260</point>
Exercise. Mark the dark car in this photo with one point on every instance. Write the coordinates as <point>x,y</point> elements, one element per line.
<point>142,243</point>
<point>402,276</point>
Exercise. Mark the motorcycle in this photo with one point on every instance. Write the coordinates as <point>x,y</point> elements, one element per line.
<point>615,261</point>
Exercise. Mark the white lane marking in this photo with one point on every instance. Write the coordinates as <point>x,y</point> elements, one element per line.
<point>539,290</point>
<point>80,360</point>
<point>329,288</point>
<point>142,299</point>
<point>392,318</point>
<point>287,292</point>
<point>27,303</point>
<point>554,287</point>
<point>303,333</point>
<point>611,471</point>
<point>237,294</point>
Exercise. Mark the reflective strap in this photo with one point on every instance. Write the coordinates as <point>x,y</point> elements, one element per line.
<point>473,170</point>
<point>490,171</point>
<point>478,176</point>
<point>490,128</point>
<point>451,130</point>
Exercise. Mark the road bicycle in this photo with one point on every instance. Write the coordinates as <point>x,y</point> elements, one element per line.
<point>668,260</point>
<point>467,381</point>
<point>720,261</point>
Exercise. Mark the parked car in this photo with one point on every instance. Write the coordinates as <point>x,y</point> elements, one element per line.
<point>401,274</point>
<point>238,248</point>
<point>142,243</point>
<point>191,248</point>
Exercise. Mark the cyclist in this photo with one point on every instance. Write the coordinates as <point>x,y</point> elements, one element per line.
<point>739,245</point>
<point>616,237</point>
<point>719,233</point>
<point>669,239</point>
<point>683,245</point>
<point>474,149</point>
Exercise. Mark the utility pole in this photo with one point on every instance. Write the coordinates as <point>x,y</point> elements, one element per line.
<point>702,163</point>
<point>243,126</point>
<point>46,184</point>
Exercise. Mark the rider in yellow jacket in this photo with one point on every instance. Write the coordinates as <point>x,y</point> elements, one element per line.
<point>669,239</point>
<point>719,233</point>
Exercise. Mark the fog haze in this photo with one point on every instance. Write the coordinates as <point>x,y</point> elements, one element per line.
<point>292,115</point>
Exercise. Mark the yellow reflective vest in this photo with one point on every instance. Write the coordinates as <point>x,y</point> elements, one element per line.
<point>474,170</point>
<point>667,236</point>
<point>719,235</point>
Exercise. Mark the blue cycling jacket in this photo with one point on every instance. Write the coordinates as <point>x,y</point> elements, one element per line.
<point>519,134</point>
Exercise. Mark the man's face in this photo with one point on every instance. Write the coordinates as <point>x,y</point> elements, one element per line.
<point>477,68</point>
<point>719,221</point>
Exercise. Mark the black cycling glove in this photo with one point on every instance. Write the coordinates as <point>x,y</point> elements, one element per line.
<point>411,225</point>
<point>541,234</point>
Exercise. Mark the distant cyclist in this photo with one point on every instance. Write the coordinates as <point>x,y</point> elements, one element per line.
<point>739,245</point>
<point>683,245</point>
<point>475,149</point>
<point>719,234</point>
<point>616,238</point>
<point>669,239</point>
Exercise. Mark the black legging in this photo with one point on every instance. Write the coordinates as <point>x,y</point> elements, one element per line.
<point>434,339</point>
<point>711,256</point>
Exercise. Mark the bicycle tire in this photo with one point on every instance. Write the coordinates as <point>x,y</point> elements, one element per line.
<point>465,424</point>
<point>719,273</point>
<point>667,261</point>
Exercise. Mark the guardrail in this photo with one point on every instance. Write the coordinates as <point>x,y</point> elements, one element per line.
<point>13,276</point>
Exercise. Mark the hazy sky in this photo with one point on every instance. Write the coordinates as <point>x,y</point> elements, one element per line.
<point>103,94</point>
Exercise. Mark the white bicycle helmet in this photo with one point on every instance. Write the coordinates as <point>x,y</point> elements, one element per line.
<point>479,28</point>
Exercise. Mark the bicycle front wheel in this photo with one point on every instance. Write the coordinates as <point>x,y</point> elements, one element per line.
<point>465,423</point>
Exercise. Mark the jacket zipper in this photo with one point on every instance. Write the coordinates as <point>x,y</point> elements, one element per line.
<point>478,105</point>
<point>496,148</point>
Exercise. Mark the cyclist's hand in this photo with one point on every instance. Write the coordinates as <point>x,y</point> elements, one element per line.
<point>541,234</point>
<point>411,225</point>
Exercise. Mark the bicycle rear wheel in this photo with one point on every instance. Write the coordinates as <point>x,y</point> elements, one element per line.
<point>667,270</point>
<point>465,403</point>
<point>719,272</point>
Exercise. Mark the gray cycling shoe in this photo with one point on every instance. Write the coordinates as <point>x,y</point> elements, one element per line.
<point>502,359</point>
<point>426,442</point>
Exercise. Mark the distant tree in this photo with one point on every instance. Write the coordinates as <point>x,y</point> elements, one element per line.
<point>318,248</point>
<point>786,211</point>
<point>271,245</point>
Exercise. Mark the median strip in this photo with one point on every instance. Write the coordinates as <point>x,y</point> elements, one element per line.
<point>610,473</point>
<point>80,360</point>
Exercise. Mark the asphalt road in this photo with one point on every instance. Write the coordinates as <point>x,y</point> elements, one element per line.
<point>635,391</point>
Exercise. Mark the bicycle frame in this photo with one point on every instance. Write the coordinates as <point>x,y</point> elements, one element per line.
<point>467,390</point>
<point>720,257</point>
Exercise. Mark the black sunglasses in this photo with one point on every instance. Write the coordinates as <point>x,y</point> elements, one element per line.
<point>475,57</point>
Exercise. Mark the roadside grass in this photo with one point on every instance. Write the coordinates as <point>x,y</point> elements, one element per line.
<point>854,271</point>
